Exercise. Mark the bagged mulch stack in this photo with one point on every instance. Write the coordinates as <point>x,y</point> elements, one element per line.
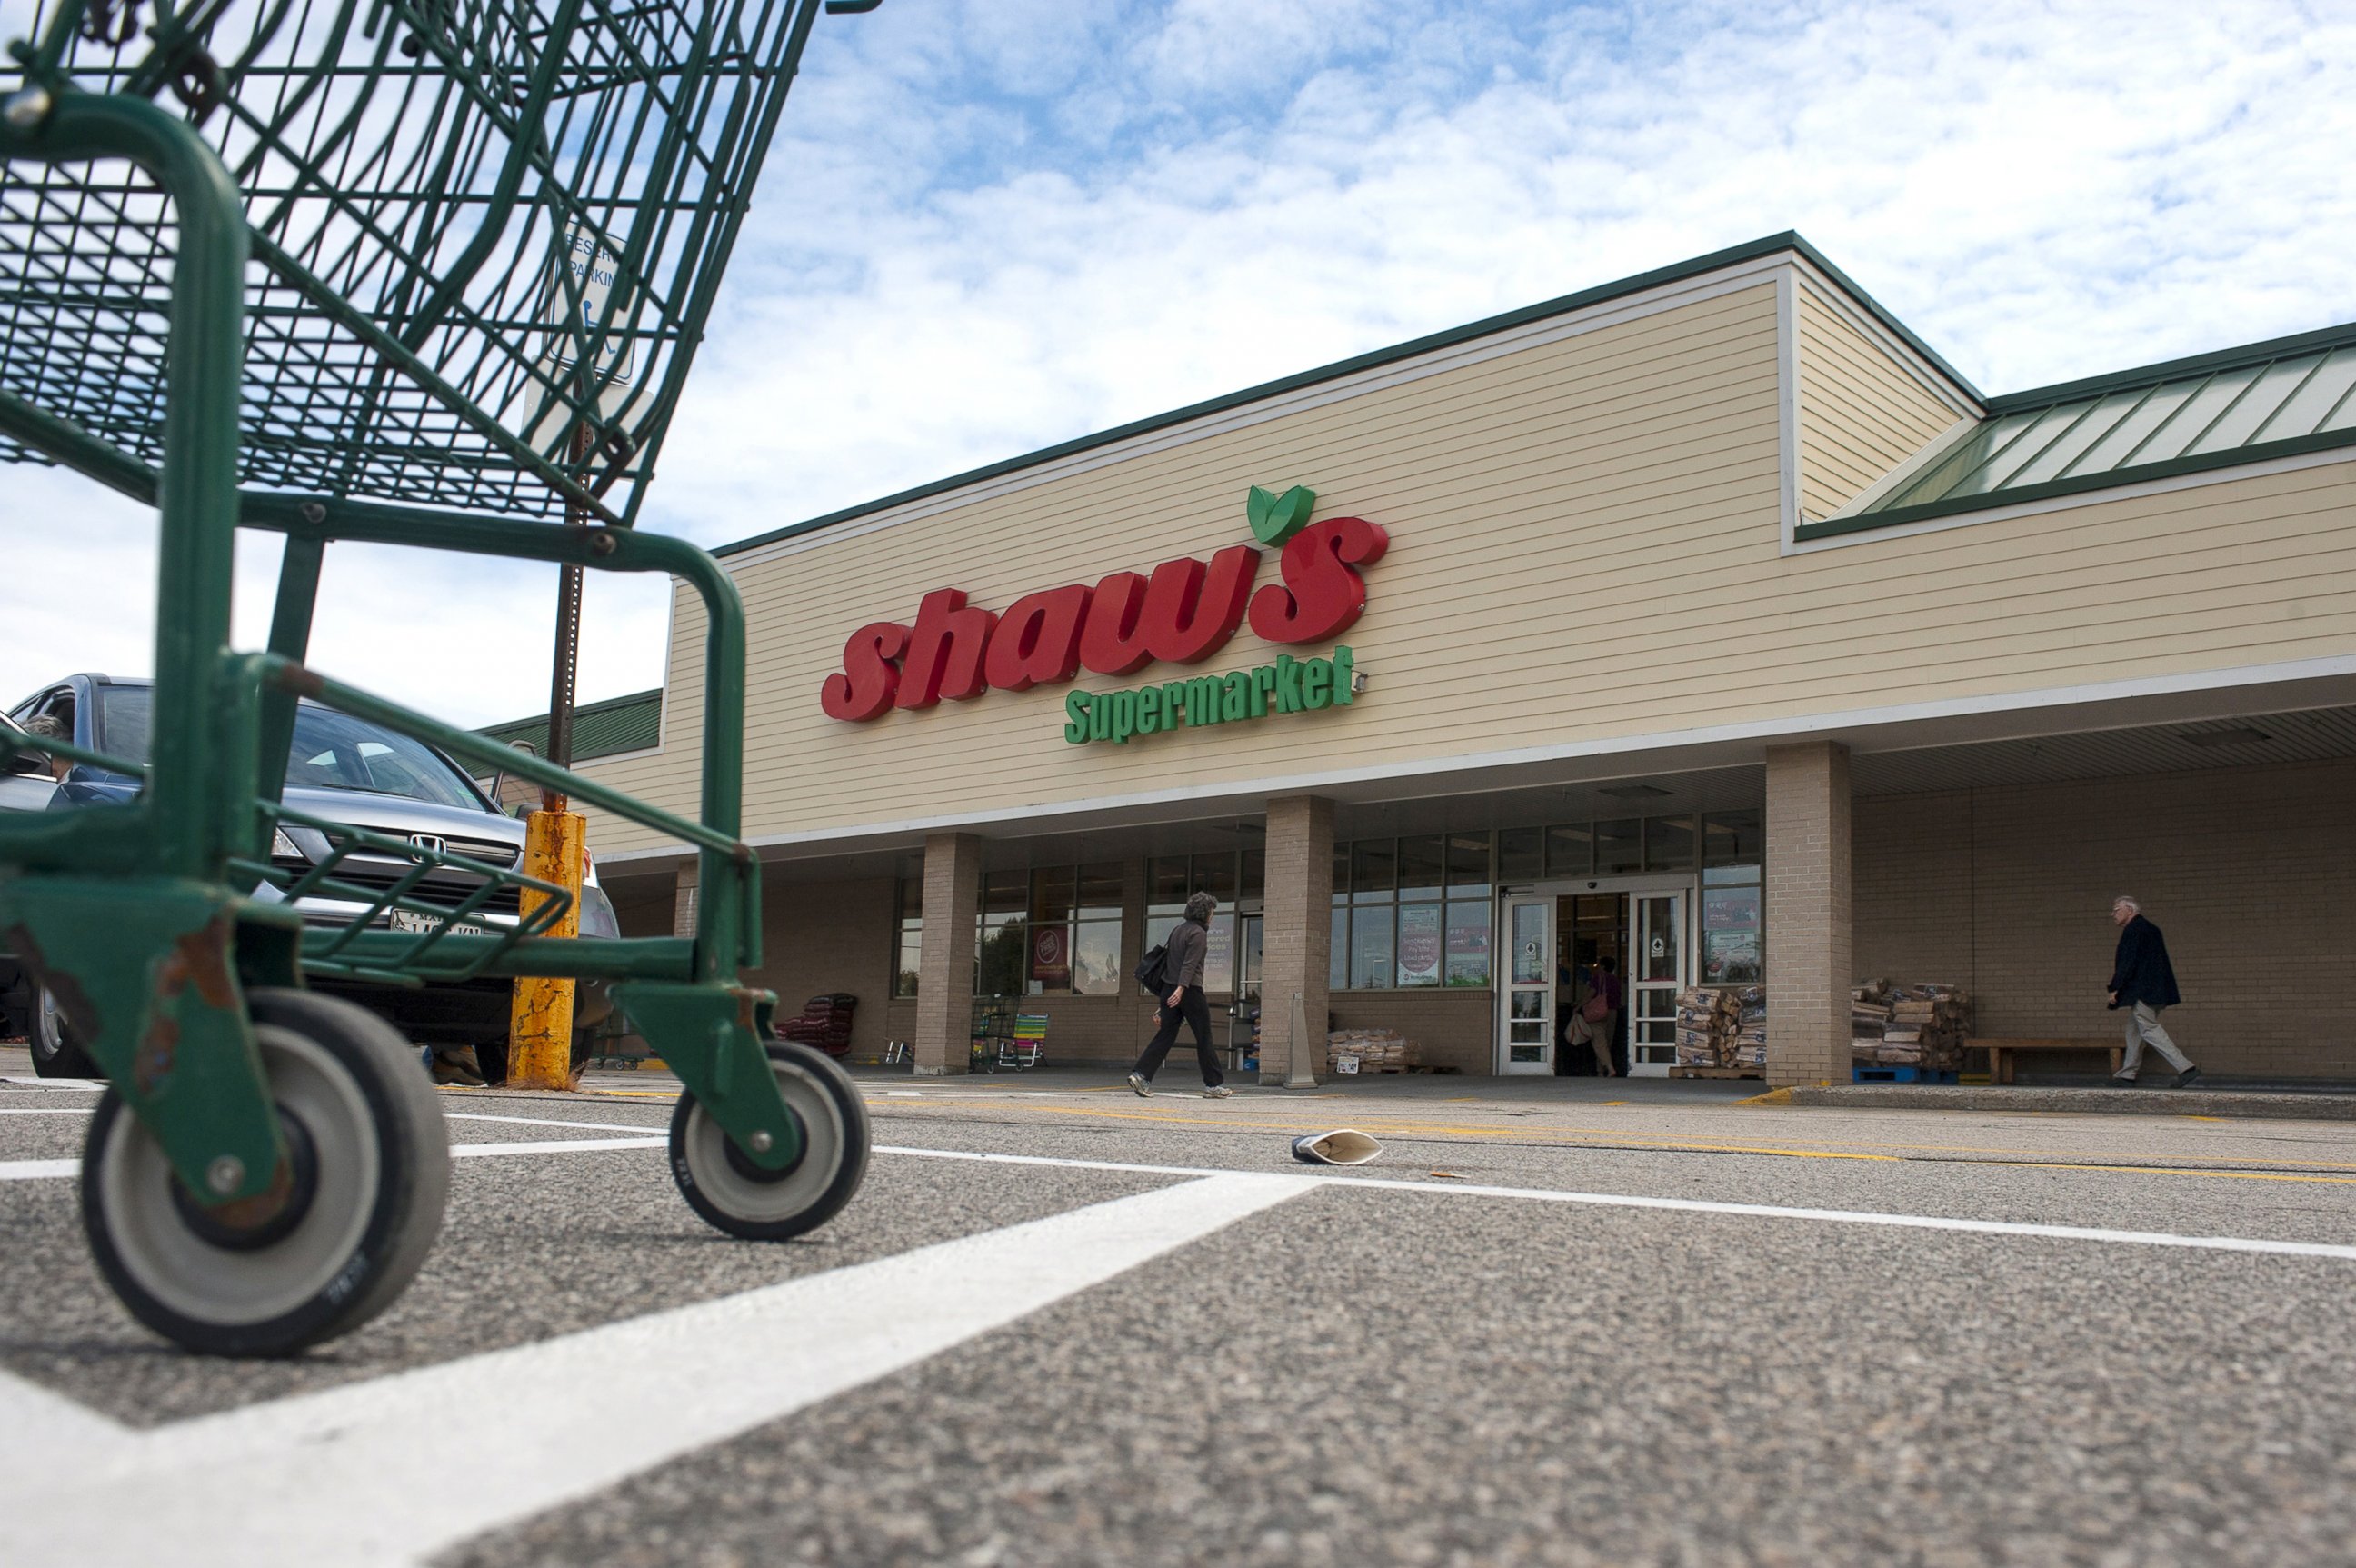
<point>1367,1050</point>
<point>824,1021</point>
<point>1923,1024</point>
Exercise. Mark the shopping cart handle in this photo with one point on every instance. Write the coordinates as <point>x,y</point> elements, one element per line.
<point>850,8</point>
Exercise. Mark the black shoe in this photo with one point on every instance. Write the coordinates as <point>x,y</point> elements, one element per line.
<point>2122,1081</point>
<point>2186,1079</point>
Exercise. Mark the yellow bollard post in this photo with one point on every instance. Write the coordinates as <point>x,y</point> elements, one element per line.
<point>540,1029</point>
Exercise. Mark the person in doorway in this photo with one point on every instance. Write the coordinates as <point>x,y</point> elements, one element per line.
<point>2143,981</point>
<point>1186,947</point>
<point>1599,1015</point>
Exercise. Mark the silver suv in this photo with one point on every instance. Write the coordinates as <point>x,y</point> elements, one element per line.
<point>340,770</point>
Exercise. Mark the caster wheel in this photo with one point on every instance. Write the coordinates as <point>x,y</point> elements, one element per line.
<point>734,1194</point>
<point>370,1167</point>
<point>56,1052</point>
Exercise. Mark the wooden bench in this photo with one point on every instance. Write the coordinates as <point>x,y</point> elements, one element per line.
<point>2000,1052</point>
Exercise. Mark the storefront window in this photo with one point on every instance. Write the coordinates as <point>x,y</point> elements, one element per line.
<point>1730,934</point>
<point>1468,865</point>
<point>1370,946</point>
<point>909,940</point>
<point>1733,924</point>
<point>1050,931</point>
<point>1422,943</point>
<point>1467,942</point>
<point>1002,948</point>
<point>1668,843</point>
<point>1232,879</point>
<point>1467,915</point>
<point>1096,932</point>
<point>1732,838</point>
<point>1415,911</point>
<point>1620,847</point>
<point>1571,850</point>
<point>1423,868</point>
<point>1521,854</point>
<point>1248,989</point>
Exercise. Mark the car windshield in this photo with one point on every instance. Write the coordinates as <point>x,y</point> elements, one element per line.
<point>331,751</point>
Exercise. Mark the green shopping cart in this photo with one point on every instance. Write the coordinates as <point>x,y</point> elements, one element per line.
<point>428,272</point>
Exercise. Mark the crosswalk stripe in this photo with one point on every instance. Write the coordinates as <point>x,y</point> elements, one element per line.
<point>565,1417</point>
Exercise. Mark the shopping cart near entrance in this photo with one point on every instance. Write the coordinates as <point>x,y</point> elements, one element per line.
<point>404,272</point>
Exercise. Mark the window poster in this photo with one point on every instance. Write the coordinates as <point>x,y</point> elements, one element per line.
<point>1729,936</point>
<point>1420,945</point>
<point>1220,956</point>
<point>1051,956</point>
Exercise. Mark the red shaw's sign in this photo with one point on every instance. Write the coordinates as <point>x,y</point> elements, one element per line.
<point>1182,613</point>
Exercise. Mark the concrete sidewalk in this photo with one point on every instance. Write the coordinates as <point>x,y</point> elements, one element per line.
<point>2328,1102</point>
<point>2324,1102</point>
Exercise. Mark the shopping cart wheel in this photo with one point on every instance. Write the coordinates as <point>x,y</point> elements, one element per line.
<point>370,1167</point>
<point>732,1193</point>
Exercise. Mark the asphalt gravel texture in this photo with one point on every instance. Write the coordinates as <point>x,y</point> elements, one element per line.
<point>1368,1376</point>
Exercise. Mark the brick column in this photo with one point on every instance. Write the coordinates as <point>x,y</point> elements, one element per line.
<point>1298,935</point>
<point>945,961</point>
<point>684,885</point>
<point>1808,927</point>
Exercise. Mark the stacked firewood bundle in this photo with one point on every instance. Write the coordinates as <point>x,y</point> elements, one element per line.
<point>1722,1026</point>
<point>1921,1024</point>
<point>1369,1050</point>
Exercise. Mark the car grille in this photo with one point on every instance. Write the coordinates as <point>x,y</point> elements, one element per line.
<point>441,890</point>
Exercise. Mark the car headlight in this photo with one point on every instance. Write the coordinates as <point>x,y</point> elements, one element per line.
<point>282,848</point>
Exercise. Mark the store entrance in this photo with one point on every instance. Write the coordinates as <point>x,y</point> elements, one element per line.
<point>1591,966</point>
<point>1566,945</point>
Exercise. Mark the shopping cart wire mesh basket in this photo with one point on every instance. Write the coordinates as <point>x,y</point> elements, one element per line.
<point>413,272</point>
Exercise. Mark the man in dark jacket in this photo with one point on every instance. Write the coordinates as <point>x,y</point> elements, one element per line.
<point>1185,950</point>
<point>2143,981</point>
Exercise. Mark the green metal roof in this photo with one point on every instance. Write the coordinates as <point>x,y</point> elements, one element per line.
<point>1717,259</point>
<point>2268,400</point>
<point>599,729</point>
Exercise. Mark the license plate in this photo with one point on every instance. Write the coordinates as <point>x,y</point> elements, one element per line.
<point>410,920</point>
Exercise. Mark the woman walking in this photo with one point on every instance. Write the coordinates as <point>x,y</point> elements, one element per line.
<point>1184,975</point>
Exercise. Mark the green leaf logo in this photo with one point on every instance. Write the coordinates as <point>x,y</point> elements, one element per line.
<point>1274,517</point>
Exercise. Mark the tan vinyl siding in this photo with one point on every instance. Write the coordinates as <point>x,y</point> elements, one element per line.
<point>1861,412</point>
<point>1585,546</point>
<point>1517,491</point>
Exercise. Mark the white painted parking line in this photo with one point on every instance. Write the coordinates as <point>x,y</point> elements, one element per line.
<point>1703,1206</point>
<point>544,1121</point>
<point>82,1085</point>
<point>359,1474</point>
<point>76,1428</point>
<point>45,1110</point>
<point>38,1170</point>
<point>51,1170</point>
<point>555,1146</point>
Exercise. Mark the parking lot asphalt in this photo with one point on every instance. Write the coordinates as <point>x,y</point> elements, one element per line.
<point>1065,1325</point>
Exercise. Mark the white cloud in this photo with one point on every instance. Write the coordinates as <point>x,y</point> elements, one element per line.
<point>994,225</point>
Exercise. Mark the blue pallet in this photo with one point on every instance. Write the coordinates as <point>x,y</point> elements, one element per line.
<point>1901,1074</point>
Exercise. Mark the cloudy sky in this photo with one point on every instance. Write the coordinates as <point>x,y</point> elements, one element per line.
<point>991,225</point>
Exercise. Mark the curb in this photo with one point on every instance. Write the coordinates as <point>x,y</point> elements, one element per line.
<point>2081,1101</point>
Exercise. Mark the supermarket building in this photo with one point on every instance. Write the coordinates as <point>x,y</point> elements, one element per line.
<point>1706,619</point>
